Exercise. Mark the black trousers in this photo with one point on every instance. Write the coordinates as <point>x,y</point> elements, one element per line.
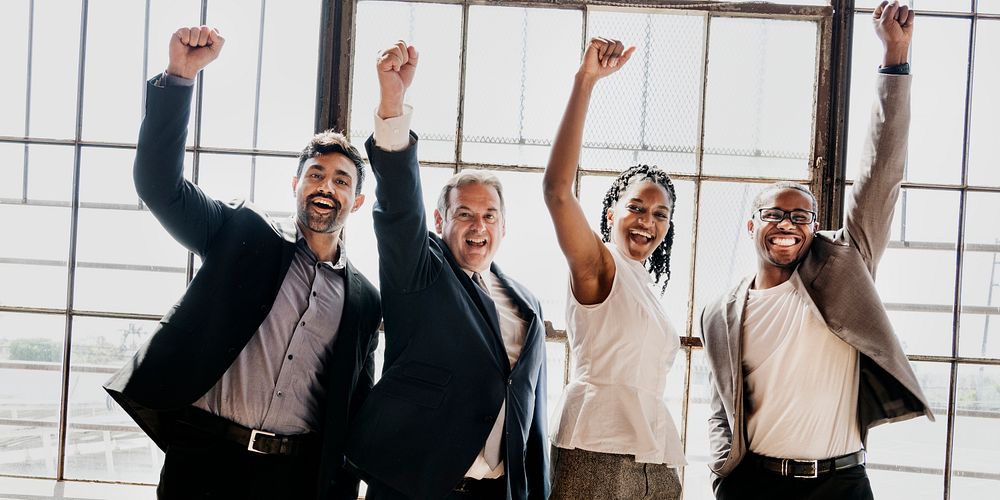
<point>749,481</point>
<point>469,489</point>
<point>202,466</point>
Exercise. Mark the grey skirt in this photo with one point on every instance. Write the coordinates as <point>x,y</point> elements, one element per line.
<point>581,475</point>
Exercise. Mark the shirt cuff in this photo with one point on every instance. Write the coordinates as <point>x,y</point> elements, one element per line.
<point>393,134</point>
<point>898,69</point>
<point>167,80</point>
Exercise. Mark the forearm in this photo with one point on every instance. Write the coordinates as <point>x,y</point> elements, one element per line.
<point>565,155</point>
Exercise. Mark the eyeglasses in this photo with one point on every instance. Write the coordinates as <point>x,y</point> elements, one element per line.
<point>778,215</point>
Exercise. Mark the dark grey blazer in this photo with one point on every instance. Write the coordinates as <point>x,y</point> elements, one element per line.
<point>839,275</point>
<point>245,257</point>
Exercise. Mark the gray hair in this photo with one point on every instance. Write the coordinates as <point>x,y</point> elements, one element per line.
<point>465,178</point>
<point>758,202</point>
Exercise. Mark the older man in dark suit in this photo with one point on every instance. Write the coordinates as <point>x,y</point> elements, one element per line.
<point>251,380</point>
<point>460,409</point>
<point>803,356</point>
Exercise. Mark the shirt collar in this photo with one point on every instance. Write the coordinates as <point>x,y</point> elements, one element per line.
<point>487,276</point>
<point>341,263</point>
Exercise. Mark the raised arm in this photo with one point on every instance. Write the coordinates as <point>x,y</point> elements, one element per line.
<point>592,269</point>
<point>188,214</point>
<point>871,206</point>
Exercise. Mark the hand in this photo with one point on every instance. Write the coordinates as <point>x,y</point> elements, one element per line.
<point>396,66</point>
<point>894,27</point>
<point>191,49</point>
<point>603,57</point>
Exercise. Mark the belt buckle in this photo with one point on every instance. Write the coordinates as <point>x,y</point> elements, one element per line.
<point>253,438</point>
<point>813,463</point>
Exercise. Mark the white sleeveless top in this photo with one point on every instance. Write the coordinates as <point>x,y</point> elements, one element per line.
<point>622,350</point>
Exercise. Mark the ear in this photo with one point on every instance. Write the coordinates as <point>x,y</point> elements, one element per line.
<point>438,222</point>
<point>610,215</point>
<point>358,201</point>
<point>295,183</point>
<point>750,227</point>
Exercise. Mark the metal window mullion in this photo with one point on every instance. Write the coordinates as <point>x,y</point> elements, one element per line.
<point>256,99</point>
<point>27,98</point>
<point>71,257</point>
<point>462,68</point>
<point>199,92</point>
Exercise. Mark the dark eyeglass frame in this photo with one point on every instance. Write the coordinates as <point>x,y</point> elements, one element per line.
<point>790,215</point>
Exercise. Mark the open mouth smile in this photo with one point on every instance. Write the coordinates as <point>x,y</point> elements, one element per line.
<point>323,204</point>
<point>784,240</point>
<point>640,236</point>
<point>476,242</point>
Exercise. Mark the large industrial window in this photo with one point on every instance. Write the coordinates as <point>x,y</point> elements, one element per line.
<point>725,95</point>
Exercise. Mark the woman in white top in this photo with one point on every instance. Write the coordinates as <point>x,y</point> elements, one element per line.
<point>614,437</point>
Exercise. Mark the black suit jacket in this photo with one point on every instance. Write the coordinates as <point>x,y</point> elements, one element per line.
<point>245,258</point>
<point>446,371</point>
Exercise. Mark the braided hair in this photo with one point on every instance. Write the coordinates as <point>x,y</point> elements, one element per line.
<point>658,263</point>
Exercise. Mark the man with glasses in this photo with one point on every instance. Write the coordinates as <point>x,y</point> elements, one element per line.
<point>804,359</point>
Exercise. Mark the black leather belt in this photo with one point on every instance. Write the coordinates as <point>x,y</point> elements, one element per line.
<point>808,468</point>
<point>255,440</point>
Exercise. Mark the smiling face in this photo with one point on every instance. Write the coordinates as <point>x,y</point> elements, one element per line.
<point>782,245</point>
<point>325,193</point>
<point>640,219</point>
<point>474,225</point>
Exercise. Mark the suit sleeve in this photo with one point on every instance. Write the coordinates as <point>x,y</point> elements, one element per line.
<point>536,462</point>
<point>187,213</point>
<point>872,203</point>
<point>405,261</point>
<point>720,435</point>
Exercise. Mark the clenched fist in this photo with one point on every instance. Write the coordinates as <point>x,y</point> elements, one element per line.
<point>396,66</point>
<point>191,49</point>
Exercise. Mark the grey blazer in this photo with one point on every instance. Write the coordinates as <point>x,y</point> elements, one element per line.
<point>838,272</point>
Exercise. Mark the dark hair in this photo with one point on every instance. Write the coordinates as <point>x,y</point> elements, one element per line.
<point>758,202</point>
<point>327,142</point>
<point>658,263</point>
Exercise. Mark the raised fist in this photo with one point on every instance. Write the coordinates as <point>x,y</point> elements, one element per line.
<point>396,66</point>
<point>191,49</point>
<point>604,56</point>
<point>894,27</point>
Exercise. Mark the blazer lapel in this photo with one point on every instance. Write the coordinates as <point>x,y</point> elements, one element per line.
<point>734,322</point>
<point>528,315</point>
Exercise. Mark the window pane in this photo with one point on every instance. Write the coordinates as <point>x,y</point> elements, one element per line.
<point>435,30</point>
<point>725,253</point>
<point>980,327</point>
<point>985,127</point>
<point>106,176</point>
<point>529,253</point>
<point>126,263</point>
<point>516,91</point>
<point>103,442</point>
<point>225,177</point>
<point>31,354</point>
<point>288,74</point>
<point>977,433</point>
<point>866,56</point>
<point>697,476</point>
<point>230,81</point>
<point>11,170</point>
<point>675,299</point>
<point>165,17</point>
<point>989,6</point>
<point>556,359</point>
<point>649,111</point>
<point>273,184</point>
<point>50,173</point>
<point>906,459</point>
<point>763,128</point>
<point>14,60</point>
<point>113,75</point>
<point>38,260</point>
<point>942,5</point>
<point>55,46</point>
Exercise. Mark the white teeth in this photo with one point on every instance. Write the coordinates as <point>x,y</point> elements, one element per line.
<point>641,233</point>
<point>476,242</point>
<point>323,203</point>
<point>783,241</point>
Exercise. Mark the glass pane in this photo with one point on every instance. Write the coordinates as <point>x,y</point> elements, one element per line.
<point>106,176</point>
<point>113,93</point>
<point>675,300</point>
<point>515,96</point>
<point>980,327</point>
<point>697,476</point>
<point>55,49</point>
<point>229,82</point>
<point>50,173</point>
<point>556,361</point>
<point>923,237</point>
<point>906,459</point>
<point>866,56</point>
<point>14,59</point>
<point>11,170</point>
<point>725,250</point>
<point>940,54</point>
<point>989,6</point>
<point>977,433</point>
<point>529,253</point>
<point>985,127</point>
<point>288,74</point>
<point>649,111</point>
<point>126,263</point>
<point>763,128</point>
<point>39,259</point>
<point>942,5</point>
<point>225,177</point>
<point>103,442</point>
<point>435,30</point>
<point>31,354</point>
<point>273,184</point>
<point>165,17</point>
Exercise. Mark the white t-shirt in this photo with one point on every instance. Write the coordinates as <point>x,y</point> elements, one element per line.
<point>801,379</point>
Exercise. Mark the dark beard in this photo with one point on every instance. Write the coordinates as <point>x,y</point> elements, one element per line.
<point>319,223</point>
